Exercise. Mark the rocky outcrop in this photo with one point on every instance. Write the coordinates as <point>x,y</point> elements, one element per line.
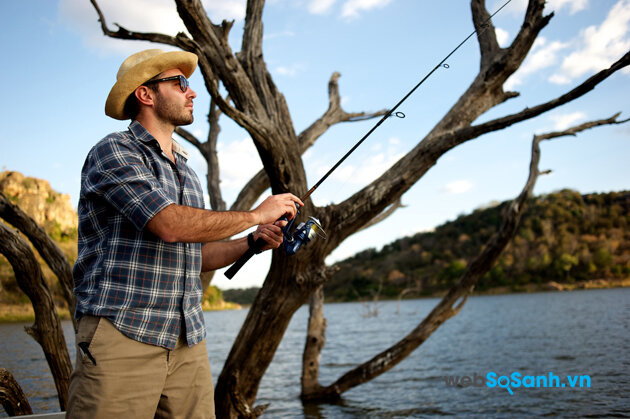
<point>50,209</point>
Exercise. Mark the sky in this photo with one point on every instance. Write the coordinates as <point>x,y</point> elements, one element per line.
<point>59,67</point>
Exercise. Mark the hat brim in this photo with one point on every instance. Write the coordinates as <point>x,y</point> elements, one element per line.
<point>140,73</point>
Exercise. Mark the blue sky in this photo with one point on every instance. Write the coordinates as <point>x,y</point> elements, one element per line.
<point>58,69</point>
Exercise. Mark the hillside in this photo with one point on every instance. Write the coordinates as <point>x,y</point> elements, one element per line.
<point>55,214</point>
<point>563,237</point>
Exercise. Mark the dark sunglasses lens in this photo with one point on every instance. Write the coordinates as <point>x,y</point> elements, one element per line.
<point>183,83</point>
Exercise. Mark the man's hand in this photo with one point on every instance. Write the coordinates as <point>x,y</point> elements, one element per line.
<point>275,206</point>
<point>270,233</point>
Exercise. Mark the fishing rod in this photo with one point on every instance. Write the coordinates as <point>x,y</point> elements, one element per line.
<point>305,232</point>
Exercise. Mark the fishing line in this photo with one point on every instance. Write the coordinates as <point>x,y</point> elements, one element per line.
<point>392,112</point>
<point>305,232</point>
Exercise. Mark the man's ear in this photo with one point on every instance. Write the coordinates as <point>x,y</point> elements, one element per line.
<point>145,95</point>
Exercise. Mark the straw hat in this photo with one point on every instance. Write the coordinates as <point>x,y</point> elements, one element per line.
<point>141,67</point>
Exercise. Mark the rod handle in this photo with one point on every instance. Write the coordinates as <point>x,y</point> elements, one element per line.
<point>251,251</point>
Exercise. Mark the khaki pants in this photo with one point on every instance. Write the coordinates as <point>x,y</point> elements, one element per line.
<point>136,380</point>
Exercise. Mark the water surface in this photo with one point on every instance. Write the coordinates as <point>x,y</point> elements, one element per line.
<point>566,333</point>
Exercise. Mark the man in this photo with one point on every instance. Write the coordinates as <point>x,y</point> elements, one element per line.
<point>144,237</point>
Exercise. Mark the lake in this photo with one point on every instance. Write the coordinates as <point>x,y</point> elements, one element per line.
<point>568,335</point>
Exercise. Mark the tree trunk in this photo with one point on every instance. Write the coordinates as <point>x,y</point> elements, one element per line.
<point>315,341</point>
<point>46,330</point>
<point>284,291</point>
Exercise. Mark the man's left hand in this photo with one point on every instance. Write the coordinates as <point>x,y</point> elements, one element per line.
<point>270,233</point>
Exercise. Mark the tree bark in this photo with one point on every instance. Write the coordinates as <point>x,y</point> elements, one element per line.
<point>46,330</point>
<point>46,247</point>
<point>12,396</point>
<point>454,300</point>
<point>315,341</point>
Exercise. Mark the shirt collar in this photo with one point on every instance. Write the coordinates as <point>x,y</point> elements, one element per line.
<point>143,135</point>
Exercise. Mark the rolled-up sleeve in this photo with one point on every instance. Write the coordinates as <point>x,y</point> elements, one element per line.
<point>117,173</point>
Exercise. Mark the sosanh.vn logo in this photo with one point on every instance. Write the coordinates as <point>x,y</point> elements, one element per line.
<point>516,380</point>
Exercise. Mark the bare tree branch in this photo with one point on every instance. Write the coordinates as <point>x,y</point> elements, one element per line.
<point>371,200</point>
<point>486,35</point>
<point>385,214</point>
<point>486,90</point>
<point>188,136</point>
<point>123,33</point>
<point>210,153</point>
<point>47,248</point>
<point>333,115</point>
<point>456,297</point>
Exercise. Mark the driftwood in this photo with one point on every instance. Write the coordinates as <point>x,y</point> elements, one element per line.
<point>448,307</point>
<point>12,397</point>
<point>46,330</point>
<point>254,102</point>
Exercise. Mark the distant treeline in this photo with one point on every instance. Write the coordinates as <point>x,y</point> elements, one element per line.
<point>243,296</point>
<point>563,237</point>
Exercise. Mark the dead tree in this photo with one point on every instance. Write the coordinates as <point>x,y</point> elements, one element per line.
<point>256,105</point>
<point>448,307</point>
<point>46,330</point>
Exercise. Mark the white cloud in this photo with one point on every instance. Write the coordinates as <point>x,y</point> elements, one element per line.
<point>574,6</point>
<point>519,7</point>
<point>543,54</point>
<point>319,7</point>
<point>457,187</point>
<point>502,36</point>
<point>225,9</point>
<point>562,122</point>
<point>599,46</point>
<point>559,79</point>
<point>140,16</point>
<point>352,8</point>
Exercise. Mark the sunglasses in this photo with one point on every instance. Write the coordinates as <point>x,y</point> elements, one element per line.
<point>183,82</point>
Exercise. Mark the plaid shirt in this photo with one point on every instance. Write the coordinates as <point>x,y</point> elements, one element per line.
<point>123,272</point>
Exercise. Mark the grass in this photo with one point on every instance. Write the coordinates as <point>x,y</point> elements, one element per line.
<point>21,313</point>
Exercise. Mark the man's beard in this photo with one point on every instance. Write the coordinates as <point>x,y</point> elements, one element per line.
<point>172,113</point>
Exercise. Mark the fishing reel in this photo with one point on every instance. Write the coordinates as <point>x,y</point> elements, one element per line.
<point>303,234</point>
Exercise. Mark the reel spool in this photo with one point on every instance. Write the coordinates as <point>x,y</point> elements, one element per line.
<point>303,234</point>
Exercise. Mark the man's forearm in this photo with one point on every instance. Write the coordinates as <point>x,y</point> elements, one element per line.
<point>217,255</point>
<point>177,223</point>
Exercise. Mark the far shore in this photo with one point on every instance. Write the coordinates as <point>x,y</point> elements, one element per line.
<point>20,313</point>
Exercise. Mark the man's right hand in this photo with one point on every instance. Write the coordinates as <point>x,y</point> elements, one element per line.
<point>275,206</point>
